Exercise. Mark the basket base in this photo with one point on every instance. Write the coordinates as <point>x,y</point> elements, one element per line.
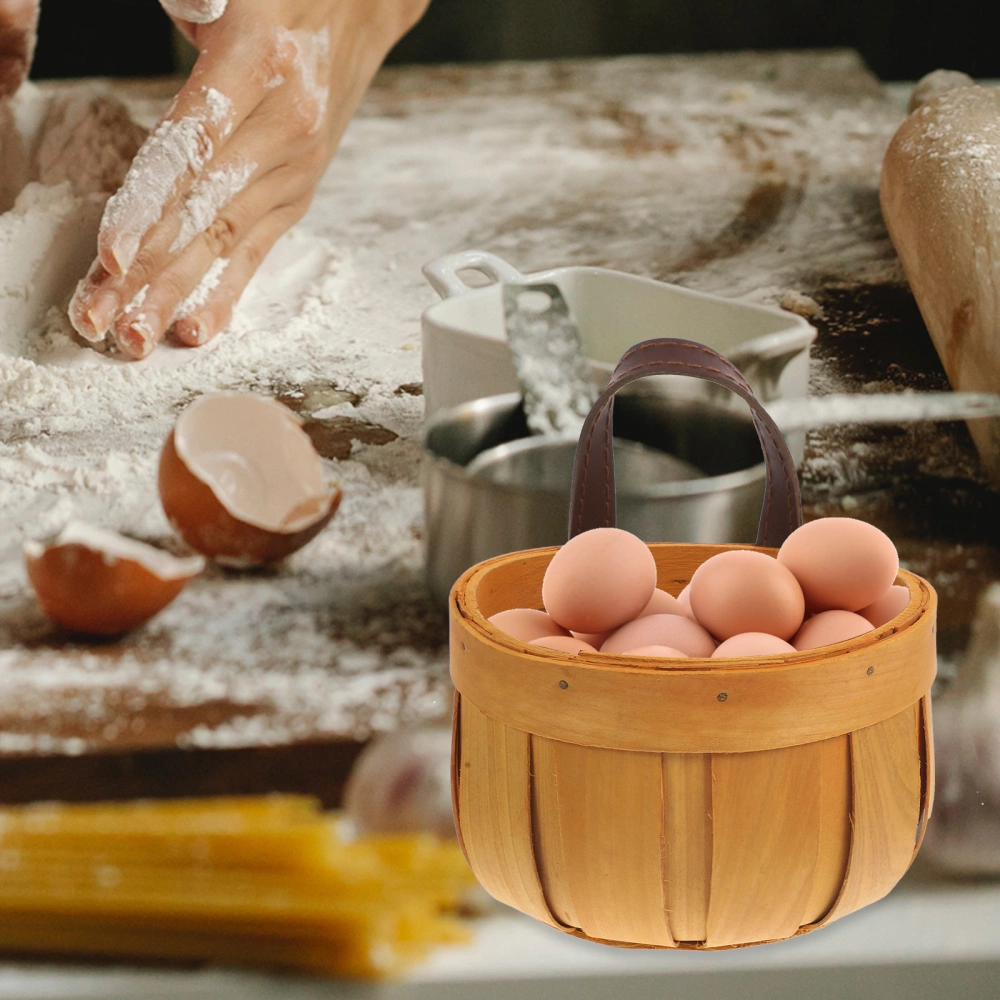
<point>683,945</point>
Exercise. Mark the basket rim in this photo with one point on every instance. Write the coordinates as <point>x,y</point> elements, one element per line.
<point>514,681</point>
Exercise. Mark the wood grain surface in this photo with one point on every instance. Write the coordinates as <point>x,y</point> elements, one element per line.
<point>743,175</point>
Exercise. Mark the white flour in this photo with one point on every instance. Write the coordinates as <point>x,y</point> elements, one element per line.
<point>205,287</point>
<point>312,64</point>
<point>208,197</point>
<point>196,11</point>
<point>88,139</point>
<point>47,241</point>
<point>171,150</point>
<point>137,300</point>
<point>220,110</point>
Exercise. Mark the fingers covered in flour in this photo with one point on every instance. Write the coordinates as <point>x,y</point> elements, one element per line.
<point>270,96</point>
<point>228,83</point>
<point>207,154</point>
<point>172,158</point>
<point>209,308</point>
<point>164,280</point>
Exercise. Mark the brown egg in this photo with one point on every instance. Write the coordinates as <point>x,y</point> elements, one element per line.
<point>98,582</point>
<point>663,652</point>
<point>526,624</point>
<point>564,644</point>
<point>752,644</point>
<point>241,482</point>
<point>743,591</point>
<point>684,600</point>
<point>595,639</point>
<point>674,631</point>
<point>890,604</point>
<point>599,580</point>
<point>662,603</point>
<point>840,562</point>
<point>828,628</point>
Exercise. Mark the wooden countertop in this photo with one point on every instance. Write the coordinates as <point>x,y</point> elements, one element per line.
<point>747,175</point>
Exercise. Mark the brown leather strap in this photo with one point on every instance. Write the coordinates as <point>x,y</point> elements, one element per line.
<point>593,494</point>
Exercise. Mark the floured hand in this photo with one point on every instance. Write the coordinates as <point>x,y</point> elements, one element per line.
<point>18,24</point>
<point>233,164</point>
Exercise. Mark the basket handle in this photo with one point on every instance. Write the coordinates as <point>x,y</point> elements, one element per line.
<point>593,491</point>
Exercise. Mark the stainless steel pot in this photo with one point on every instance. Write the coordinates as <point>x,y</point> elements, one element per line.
<point>470,518</point>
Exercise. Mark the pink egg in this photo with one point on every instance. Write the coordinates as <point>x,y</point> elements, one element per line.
<point>664,652</point>
<point>744,591</point>
<point>564,644</point>
<point>828,628</point>
<point>684,600</point>
<point>674,631</point>
<point>890,604</point>
<point>753,644</point>
<point>526,624</point>
<point>596,639</point>
<point>841,563</point>
<point>661,603</point>
<point>599,580</point>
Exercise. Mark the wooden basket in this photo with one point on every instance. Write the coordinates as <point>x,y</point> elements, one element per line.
<point>711,804</point>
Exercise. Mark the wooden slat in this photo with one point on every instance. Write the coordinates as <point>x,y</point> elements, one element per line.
<point>834,827</point>
<point>495,808</point>
<point>608,832</point>
<point>550,854</point>
<point>456,768</point>
<point>687,847</point>
<point>766,819</point>
<point>885,807</point>
<point>927,783</point>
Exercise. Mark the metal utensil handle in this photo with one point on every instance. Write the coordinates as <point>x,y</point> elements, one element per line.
<point>593,490</point>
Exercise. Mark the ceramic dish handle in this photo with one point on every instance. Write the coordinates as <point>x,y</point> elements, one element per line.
<point>443,272</point>
<point>593,491</point>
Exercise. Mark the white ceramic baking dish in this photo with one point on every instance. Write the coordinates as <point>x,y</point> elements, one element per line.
<point>465,353</point>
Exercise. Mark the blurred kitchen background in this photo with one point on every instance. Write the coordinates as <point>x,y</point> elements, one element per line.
<point>898,41</point>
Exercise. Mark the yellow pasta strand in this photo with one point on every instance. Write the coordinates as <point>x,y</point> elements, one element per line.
<point>266,881</point>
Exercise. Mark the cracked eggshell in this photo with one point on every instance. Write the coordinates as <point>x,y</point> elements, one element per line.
<point>241,482</point>
<point>98,582</point>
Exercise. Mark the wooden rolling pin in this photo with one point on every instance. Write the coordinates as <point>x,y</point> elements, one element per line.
<point>940,195</point>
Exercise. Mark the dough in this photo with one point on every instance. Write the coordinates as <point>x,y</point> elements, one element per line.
<point>88,140</point>
<point>935,84</point>
<point>61,155</point>
<point>13,158</point>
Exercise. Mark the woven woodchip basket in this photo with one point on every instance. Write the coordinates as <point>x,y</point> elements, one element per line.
<point>708,804</point>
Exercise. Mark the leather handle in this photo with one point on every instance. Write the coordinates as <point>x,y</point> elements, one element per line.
<point>593,492</point>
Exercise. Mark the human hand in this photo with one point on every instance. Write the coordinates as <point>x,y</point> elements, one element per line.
<point>233,163</point>
<point>18,24</point>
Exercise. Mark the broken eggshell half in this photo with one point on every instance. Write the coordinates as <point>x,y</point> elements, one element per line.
<point>241,482</point>
<point>98,582</point>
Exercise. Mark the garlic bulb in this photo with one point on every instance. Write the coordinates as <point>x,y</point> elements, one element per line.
<point>963,835</point>
<point>401,782</point>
